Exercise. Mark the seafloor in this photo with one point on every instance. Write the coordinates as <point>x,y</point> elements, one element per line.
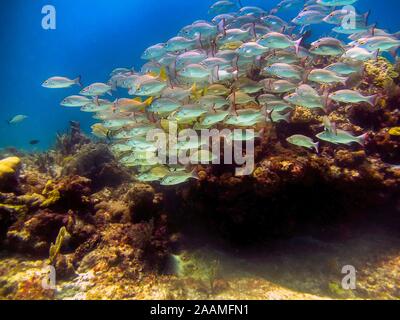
<point>284,232</point>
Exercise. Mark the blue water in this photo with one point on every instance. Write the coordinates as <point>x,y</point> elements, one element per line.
<point>92,38</point>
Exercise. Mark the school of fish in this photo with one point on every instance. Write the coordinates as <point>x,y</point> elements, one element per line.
<point>246,68</point>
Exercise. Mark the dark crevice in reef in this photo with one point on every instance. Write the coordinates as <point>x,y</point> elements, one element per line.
<point>312,200</point>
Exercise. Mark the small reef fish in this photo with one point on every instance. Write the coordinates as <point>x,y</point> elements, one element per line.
<point>324,76</point>
<point>284,70</point>
<point>351,96</point>
<point>100,131</point>
<point>176,178</point>
<point>341,137</point>
<point>99,106</point>
<point>303,141</point>
<point>96,89</point>
<point>17,119</point>
<point>75,101</point>
<point>61,83</point>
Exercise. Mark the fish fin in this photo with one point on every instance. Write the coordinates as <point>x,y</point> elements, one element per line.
<point>297,45</point>
<point>109,135</point>
<point>316,147</point>
<point>344,81</point>
<point>78,81</point>
<point>163,74</point>
<point>305,76</point>
<point>287,117</point>
<point>264,111</point>
<point>393,52</point>
<point>153,74</point>
<point>110,93</point>
<point>366,17</point>
<point>193,89</point>
<point>195,92</point>
<point>325,98</point>
<point>221,25</point>
<point>396,35</point>
<point>195,175</point>
<point>137,99</point>
<point>149,101</point>
<point>362,140</point>
<point>373,100</point>
<point>373,28</point>
<point>113,86</point>
<point>376,54</point>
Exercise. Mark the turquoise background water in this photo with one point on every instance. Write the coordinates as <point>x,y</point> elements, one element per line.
<point>92,38</point>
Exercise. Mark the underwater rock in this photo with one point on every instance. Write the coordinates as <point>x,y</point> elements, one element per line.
<point>96,162</point>
<point>68,192</point>
<point>36,234</point>
<point>286,193</point>
<point>112,212</point>
<point>64,267</point>
<point>350,159</point>
<point>142,201</point>
<point>387,146</point>
<point>130,247</point>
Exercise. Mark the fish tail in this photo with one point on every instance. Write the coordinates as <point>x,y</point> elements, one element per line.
<point>113,86</point>
<point>373,100</point>
<point>362,140</point>
<point>221,26</point>
<point>264,111</point>
<point>195,175</point>
<point>78,81</point>
<point>287,117</point>
<point>149,101</point>
<point>297,45</point>
<point>393,52</point>
<point>193,89</point>
<point>316,147</point>
<point>344,80</point>
<point>376,54</point>
<point>163,74</point>
<point>396,35</point>
<point>366,16</point>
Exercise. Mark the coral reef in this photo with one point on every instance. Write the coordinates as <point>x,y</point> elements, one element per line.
<point>78,209</point>
<point>381,72</point>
